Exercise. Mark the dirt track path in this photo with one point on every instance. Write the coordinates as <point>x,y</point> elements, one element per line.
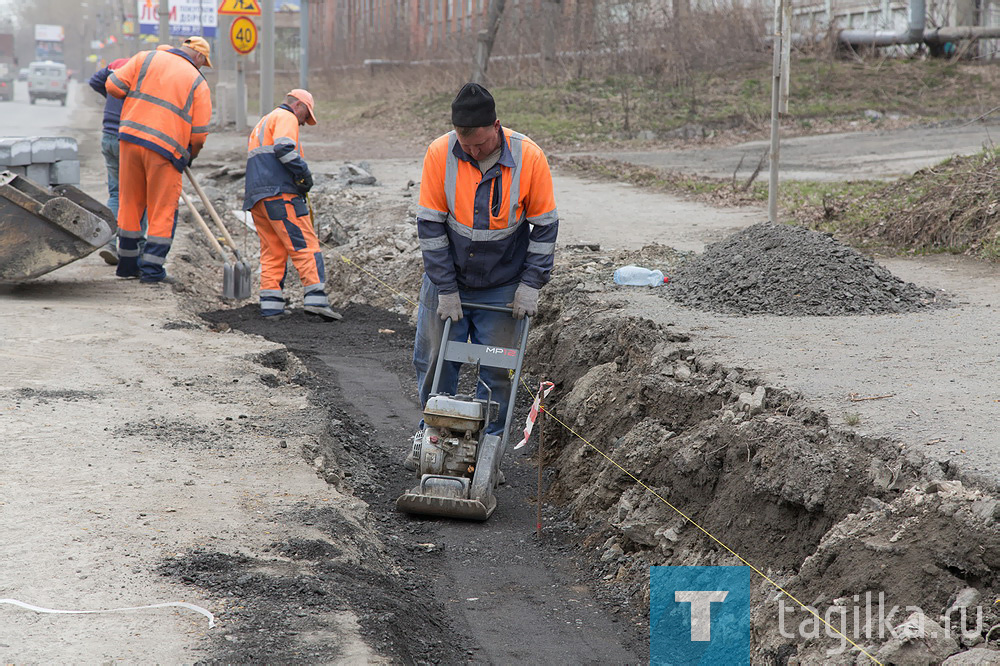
<point>842,156</point>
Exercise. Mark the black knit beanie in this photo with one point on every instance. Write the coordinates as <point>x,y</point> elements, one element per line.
<point>473,107</point>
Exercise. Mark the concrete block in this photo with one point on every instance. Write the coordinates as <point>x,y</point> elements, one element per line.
<point>66,148</point>
<point>53,148</point>
<point>15,151</point>
<point>38,174</point>
<point>64,172</point>
<point>43,149</point>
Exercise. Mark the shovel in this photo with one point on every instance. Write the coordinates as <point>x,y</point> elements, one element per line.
<point>241,270</point>
<point>228,279</point>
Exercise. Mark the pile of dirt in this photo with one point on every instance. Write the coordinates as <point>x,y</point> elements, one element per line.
<point>785,270</point>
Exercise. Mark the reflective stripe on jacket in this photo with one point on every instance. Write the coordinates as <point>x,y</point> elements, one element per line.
<point>274,157</point>
<point>471,225</point>
<point>167,103</point>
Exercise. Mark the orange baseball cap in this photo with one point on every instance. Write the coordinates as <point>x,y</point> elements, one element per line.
<point>200,44</point>
<point>306,98</point>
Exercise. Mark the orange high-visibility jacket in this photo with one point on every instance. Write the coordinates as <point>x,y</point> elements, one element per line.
<point>479,231</point>
<point>167,103</point>
<point>275,161</point>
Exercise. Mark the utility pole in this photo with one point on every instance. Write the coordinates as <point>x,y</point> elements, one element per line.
<point>776,86</point>
<point>241,95</point>
<point>304,44</point>
<point>267,57</point>
<point>164,21</point>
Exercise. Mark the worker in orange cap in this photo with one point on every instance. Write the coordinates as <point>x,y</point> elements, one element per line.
<point>164,124</point>
<point>277,181</point>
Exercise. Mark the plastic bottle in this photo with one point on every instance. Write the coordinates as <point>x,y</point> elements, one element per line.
<point>636,276</point>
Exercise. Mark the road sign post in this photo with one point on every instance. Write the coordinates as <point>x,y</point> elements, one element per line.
<point>241,97</point>
<point>243,37</point>
<point>267,58</point>
<point>164,15</point>
<point>303,44</point>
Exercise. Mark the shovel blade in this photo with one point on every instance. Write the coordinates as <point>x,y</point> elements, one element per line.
<point>241,279</point>
<point>228,282</point>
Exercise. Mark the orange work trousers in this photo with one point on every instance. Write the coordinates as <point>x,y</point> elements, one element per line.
<point>285,229</point>
<point>147,182</point>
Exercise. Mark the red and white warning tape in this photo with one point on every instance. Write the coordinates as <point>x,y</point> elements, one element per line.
<point>544,388</point>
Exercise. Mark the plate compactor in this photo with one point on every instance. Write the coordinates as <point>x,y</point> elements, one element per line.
<point>458,462</point>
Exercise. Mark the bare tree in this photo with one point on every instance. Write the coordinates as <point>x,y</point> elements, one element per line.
<point>487,37</point>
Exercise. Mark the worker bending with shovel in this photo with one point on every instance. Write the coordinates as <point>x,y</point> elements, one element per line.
<point>487,226</point>
<point>277,182</point>
<point>164,124</point>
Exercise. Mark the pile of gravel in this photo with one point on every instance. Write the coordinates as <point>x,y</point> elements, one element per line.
<point>785,270</point>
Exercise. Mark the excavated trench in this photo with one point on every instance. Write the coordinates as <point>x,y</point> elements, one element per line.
<point>826,513</point>
<point>829,514</point>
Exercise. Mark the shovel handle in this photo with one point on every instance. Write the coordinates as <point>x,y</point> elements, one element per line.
<point>312,218</point>
<point>204,227</point>
<point>211,211</point>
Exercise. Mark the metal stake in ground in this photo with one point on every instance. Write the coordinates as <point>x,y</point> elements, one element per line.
<point>541,441</point>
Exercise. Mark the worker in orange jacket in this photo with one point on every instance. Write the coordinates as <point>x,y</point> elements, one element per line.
<point>164,124</point>
<point>277,182</point>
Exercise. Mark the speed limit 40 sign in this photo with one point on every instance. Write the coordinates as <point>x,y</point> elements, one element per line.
<point>243,35</point>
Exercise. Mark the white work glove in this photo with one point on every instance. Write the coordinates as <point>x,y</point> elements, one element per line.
<point>449,306</point>
<point>525,301</point>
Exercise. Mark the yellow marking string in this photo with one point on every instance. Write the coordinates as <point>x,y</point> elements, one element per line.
<point>376,278</point>
<point>702,529</point>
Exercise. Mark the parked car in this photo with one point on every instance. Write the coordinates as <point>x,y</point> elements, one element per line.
<point>47,80</point>
<point>6,82</point>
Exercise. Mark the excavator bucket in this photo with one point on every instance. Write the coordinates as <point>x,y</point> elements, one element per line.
<point>42,230</point>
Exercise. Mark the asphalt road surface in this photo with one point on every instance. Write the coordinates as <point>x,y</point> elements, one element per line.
<point>844,156</point>
<point>45,116</point>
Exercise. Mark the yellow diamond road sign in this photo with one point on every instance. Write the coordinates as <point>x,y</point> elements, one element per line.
<point>240,7</point>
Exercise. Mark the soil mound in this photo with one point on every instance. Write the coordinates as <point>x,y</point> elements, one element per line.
<point>785,270</point>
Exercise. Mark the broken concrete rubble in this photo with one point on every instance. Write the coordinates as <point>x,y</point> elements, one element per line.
<point>752,403</point>
<point>920,641</point>
<point>974,657</point>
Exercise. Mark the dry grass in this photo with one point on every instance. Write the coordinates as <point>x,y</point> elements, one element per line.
<point>719,102</point>
<point>951,207</point>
